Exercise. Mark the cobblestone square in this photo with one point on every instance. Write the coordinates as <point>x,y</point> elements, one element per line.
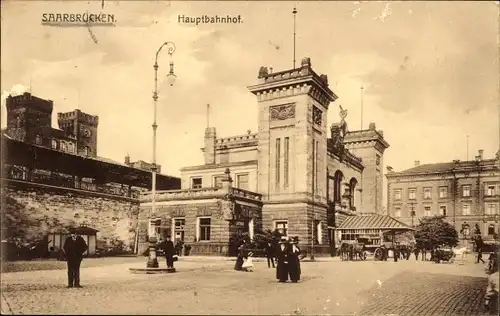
<point>210,286</point>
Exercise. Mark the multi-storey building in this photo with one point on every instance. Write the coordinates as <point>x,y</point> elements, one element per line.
<point>300,172</point>
<point>465,192</point>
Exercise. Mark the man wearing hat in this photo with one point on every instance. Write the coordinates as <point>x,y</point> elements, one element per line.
<point>283,260</point>
<point>169,249</point>
<point>74,248</point>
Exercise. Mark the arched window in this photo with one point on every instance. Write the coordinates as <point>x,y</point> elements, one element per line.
<point>71,148</point>
<point>319,232</point>
<point>54,144</point>
<point>491,229</point>
<point>63,146</point>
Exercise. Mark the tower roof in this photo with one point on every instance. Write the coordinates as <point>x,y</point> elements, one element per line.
<point>304,78</point>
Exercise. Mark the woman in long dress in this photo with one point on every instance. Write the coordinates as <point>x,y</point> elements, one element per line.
<point>240,258</point>
<point>294,266</point>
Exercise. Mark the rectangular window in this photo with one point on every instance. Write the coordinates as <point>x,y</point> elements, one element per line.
<point>278,158</point>
<point>285,167</point>
<point>282,227</point>
<point>466,209</point>
<point>54,144</point>
<point>218,181</point>
<point>490,190</point>
<point>242,181</point>
<point>204,228</point>
<point>178,232</point>
<point>331,189</point>
<point>397,194</point>
<point>427,193</point>
<point>491,209</point>
<point>412,194</point>
<point>466,191</point>
<point>196,183</point>
<point>443,192</point>
<point>397,211</point>
<point>442,210</point>
<point>427,211</point>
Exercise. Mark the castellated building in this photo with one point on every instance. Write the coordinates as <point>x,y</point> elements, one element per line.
<point>296,174</point>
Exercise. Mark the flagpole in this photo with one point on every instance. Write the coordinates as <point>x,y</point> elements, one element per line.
<point>294,37</point>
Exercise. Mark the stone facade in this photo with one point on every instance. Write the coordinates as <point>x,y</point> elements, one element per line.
<point>34,210</point>
<point>206,219</point>
<point>466,192</point>
<point>304,170</point>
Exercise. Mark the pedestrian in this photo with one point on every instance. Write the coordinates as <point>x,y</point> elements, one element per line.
<point>424,254</point>
<point>294,270</point>
<point>480,255</point>
<point>270,254</point>
<point>282,257</point>
<point>396,253</point>
<point>74,248</point>
<point>169,250</point>
<point>178,247</point>
<point>248,263</point>
<point>492,290</point>
<point>241,256</point>
<point>416,251</point>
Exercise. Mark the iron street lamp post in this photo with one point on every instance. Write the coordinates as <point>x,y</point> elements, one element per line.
<point>152,260</point>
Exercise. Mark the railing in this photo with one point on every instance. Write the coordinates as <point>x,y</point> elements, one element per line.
<point>84,186</point>
<point>246,194</point>
<point>183,194</point>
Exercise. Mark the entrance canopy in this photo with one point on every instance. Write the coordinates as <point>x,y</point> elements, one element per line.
<point>378,222</point>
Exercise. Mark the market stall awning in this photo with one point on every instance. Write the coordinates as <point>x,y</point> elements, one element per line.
<point>382,222</point>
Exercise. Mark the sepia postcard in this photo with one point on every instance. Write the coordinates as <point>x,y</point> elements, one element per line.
<point>250,157</point>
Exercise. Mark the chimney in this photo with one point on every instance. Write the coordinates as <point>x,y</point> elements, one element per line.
<point>480,154</point>
<point>249,132</point>
<point>127,160</point>
<point>270,70</point>
<point>417,163</point>
<point>372,126</point>
<point>210,144</point>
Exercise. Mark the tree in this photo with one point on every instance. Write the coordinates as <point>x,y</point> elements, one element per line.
<point>435,231</point>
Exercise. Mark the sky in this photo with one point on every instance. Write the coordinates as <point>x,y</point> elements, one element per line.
<point>429,69</point>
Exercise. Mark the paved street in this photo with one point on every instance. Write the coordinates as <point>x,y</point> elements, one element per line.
<point>210,286</point>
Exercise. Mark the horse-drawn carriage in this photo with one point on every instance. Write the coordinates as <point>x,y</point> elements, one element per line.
<point>443,254</point>
<point>352,251</point>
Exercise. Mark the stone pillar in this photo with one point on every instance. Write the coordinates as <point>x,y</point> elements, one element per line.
<point>227,204</point>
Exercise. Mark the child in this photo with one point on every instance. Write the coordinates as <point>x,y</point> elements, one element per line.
<point>248,264</point>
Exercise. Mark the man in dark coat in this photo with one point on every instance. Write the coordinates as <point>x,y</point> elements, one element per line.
<point>168,248</point>
<point>283,260</point>
<point>270,254</point>
<point>74,248</point>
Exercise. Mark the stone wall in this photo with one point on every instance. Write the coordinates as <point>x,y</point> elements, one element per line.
<point>299,217</point>
<point>30,211</point>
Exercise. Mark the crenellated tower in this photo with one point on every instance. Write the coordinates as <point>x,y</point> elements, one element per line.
<point>369,145</point>
<point>83,127</point>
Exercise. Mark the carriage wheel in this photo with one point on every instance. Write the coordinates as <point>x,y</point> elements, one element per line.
<point>377,255</point>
